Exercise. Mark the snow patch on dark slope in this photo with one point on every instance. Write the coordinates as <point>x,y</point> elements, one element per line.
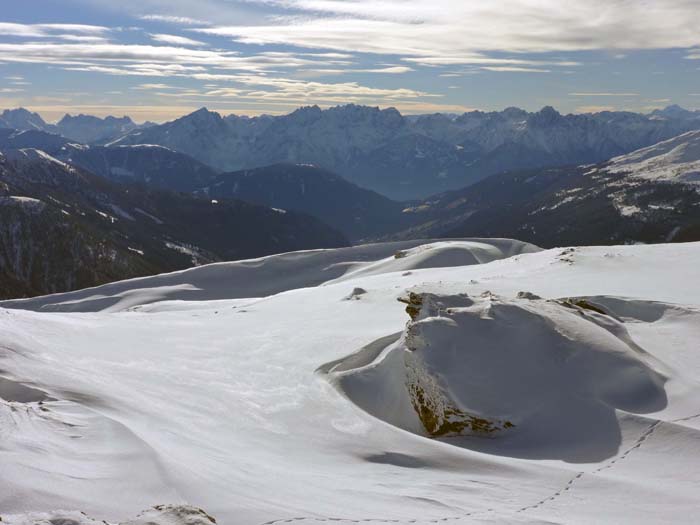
<point>675,160</point>
<point>650,195</point>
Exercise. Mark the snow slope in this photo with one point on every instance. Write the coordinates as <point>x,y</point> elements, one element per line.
<point>673,160</point>
<point>269,275</point>
<point>262,392</point>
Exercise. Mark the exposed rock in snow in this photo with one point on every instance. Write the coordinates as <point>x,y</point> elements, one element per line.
<point>356,294</point>
<point>539,378</point>
<point>158,515</point>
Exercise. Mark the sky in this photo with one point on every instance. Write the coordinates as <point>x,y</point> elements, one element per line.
<point>159,59</point>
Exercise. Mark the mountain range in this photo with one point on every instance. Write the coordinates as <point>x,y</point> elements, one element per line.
<point>412,158</point>
<point>81,128</point>
<point>401,157</point>
<point>77,214</point>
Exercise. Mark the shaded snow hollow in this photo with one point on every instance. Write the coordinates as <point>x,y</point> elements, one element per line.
<point>403,383</point>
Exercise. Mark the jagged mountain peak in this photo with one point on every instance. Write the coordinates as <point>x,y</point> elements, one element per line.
<point>545,117</point>
<point>306,114</point>
<point>514,112</point>
<point>22,119</point>
<point>201,116</point>
<point>81,117</point>
<point>675,111</point>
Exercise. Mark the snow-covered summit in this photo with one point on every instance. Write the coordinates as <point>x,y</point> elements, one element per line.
<point>32,156</point>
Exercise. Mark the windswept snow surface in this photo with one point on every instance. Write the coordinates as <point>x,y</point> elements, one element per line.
<point>270,275</point>
<point>514,386</point>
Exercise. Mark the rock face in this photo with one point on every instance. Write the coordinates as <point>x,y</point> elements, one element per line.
<point>407,158</point>
<point>21,119</point>
<point>89,129</point>
<point>64,228</point>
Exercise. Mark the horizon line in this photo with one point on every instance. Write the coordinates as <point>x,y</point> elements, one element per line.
<point>177,112</point>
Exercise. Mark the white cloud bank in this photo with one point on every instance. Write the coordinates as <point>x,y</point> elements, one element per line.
<point>463,30</point>
<point>175,40</point>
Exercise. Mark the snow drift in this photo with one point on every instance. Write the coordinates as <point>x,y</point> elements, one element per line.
<point>543,378</point>
<point>277,273</point>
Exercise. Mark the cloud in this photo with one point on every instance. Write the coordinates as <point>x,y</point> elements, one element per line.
<point>87,39</point>
<point>388,70</point>
<point>589,94</point>
<point>179,20</point>
<point>593,109</point>
<point>153,86</point>
<point>255,78</point>
<point>515,69</point>
<point>451,29</point>
<point>261,89</point>
<point>150,60</point>
<point>479,59</point>
<point>63,31</point>
<point>175,40</point>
